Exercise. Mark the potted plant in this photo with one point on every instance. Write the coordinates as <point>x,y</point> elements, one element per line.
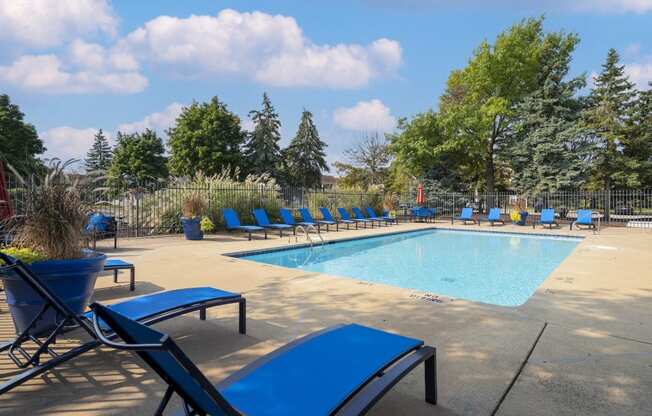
<point>192,209</point>
<point>49,239</point>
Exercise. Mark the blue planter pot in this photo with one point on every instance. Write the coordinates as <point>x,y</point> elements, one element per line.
<point>192,229</point>
<point>72,280</point>
<point>524,215</point>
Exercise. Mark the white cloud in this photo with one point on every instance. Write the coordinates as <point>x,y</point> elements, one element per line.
<point>640,74</point>
<point>44,23</point>
<point>270,49</point>
<point>370,115</point>
<point>67,142</point>
<point>86,73</point>
<point>158,121</point>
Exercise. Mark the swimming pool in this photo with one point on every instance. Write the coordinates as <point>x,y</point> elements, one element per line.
<point>497,268</point>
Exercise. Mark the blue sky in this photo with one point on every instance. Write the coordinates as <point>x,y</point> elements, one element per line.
<point>358,65</point>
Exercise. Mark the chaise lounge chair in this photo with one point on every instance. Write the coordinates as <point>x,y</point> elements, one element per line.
<point>372,215</point>
<point>345,216</point>
<point>494,216</point>
<point>263,221</point>
<point>357,213</point>
<point>326,214</point>
<point>342,370</point>
<point>147,309</point>
<point>547,218</point>
<point>288,218</point>
<point>465,216</point>
<point>584,218</point>
<point>233,223</point>
<point>307,217</point>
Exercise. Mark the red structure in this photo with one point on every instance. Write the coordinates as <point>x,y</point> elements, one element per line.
<point>421,195</point>
<point>5,202</point>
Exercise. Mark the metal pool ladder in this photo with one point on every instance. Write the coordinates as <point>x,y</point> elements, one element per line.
<point>306,231</point>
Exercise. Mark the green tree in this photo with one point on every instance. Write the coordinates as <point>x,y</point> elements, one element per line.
<point>138,159</point>
<point>423,150</point>
<point>99,156</point>
<point>304,159</point>
<point>638,145</point>
<point>367,163</point>
<point>611,103</point>
<point>206,138</point>
<point>262,152</point>
<point>19,142</point>
<point>549,147</point>
<point>478,104</point>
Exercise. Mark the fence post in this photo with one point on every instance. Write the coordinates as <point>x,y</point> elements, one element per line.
<point>607,207</point>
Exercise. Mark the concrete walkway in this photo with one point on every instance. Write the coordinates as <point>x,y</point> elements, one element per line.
<point>587,331</point>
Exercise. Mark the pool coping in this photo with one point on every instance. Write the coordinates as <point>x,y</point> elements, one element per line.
<point>240,254</point>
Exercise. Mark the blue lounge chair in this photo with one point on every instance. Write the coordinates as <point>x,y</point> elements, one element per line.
<point>307,217</point>
<point>233,223</point>
<point>357,213</point>
<point>372,215</point>
<point>547,218</point>
<point>147,309</point>
<point>326,214</point>
<point>115,265</point>
<point>494,216</point>
<point>465,216</point>
<point>263,221</point>
<point>422,213</point>
<point>584,218</point>
<point>288,218</point>
<point>342,370</point>
<point>345,216</point>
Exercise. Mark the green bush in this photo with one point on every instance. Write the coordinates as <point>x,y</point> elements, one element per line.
<point>171,222</point>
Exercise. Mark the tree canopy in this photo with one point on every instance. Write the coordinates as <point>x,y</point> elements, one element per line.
<point>304,159</point>
<point>138,160</point>
<point>19,142</point>
<point>207,138</point>
<point>367,163</point>
<point>262,151</point>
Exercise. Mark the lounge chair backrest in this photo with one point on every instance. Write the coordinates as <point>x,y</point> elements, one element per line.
<point>371,213</point>
<point>584,216</point>
<point>326,214</point>
<point>305,214</point>
<point>358,213</point>
<point>261,217</point>
<point>286,216</point>
<point>547,215</point>
<point>344,214</point>
<point>467,213</point>
<point>168,361</point>
<point>230,218</point>
<point>494,214</point>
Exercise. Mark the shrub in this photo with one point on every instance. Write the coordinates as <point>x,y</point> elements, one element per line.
<point>171,222</point>
<point>207,225</point>
<point>26,255</point>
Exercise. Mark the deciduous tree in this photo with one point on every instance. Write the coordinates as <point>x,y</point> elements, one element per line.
<point>19,142</point>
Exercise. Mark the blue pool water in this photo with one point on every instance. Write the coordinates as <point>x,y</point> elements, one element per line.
<point>496,268</point>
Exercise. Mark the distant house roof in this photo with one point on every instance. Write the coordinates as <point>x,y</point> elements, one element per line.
<point>328,180</point>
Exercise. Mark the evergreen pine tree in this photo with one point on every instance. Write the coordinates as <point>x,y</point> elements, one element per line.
<point>611,104</point>
<point>99,156</point>
<point>304,159</point>
<point>639,140</point>
<point>19,142</point>
<point>549,146</point>
<point>262,151</point>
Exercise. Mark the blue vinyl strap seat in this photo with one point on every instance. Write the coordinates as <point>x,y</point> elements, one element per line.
<point>585,218</point>
<point>465,216</point>
<point>372,215</point>
<point>307,217</point>
<point>345,216</point>
<point>494,216</point>
<point>344,369</point>
<point>326,214</point>
<point>288,218</point>
<point>548,217</point>
<point>260,215</point>
<point>232,223</point>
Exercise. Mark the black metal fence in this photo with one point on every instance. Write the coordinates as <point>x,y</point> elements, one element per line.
<point>156,208</point>
<point>631,208</point>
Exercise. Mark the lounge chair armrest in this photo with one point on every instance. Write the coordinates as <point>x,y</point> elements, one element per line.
<point>120,345</point>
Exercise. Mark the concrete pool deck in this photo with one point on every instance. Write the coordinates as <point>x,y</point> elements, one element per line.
<point>587,330</point>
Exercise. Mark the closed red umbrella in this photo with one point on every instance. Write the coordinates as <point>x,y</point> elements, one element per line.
<point>5,202</point>
<point>421,195</point>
